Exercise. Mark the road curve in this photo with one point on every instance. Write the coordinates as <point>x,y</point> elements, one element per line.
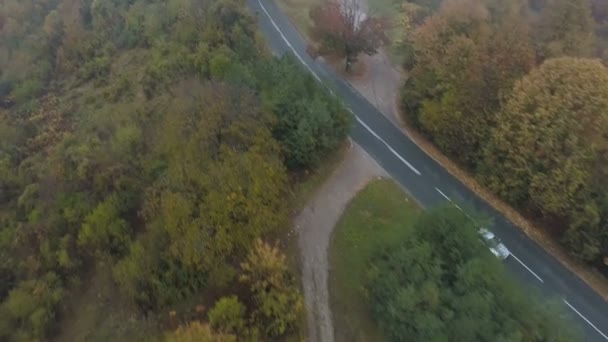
<point>431,185</point>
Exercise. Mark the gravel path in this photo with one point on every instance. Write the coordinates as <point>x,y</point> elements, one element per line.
<point>380,83</point>
<point>314,225</point>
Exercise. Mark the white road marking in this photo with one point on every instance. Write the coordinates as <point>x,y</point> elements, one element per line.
<point>449,199</point>
<point>388,146</point>
<point>444,195</point>
<point>287,42</point>
<point>515,257</point>
<point>528,268</point>
<point>586,320</point>
<point>331,92</point>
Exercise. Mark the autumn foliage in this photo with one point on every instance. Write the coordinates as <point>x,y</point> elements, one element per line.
<point>342,28</point>
<point>157,141</point>
<point>510,90</point>
<point>198,332</point>
<point>467,56</point>
<point>548,151</point>
<point>278,303</point>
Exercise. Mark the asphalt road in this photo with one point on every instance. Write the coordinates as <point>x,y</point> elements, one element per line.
<point>431,185</point>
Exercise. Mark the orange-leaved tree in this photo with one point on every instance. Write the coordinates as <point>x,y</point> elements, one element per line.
<point>344,29</point>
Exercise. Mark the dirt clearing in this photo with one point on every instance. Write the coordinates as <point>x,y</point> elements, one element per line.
<point>315,224</point>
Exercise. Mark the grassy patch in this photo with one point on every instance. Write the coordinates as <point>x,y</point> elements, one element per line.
<point>379,216</point>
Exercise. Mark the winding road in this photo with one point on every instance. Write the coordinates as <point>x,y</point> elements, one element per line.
<point>431,185</point>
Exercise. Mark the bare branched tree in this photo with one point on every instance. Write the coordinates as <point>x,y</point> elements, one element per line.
<point>343,28</point>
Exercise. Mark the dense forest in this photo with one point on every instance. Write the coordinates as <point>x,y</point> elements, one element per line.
<point>160,139</point>
<point>441,284</point>
<point>517,92</point>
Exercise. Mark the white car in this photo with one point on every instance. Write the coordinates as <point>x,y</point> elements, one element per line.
<point>494,244</point>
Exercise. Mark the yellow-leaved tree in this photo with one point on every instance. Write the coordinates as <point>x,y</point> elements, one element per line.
<point>548,152</point>
<point>278,303</point>
<point>197,332</point>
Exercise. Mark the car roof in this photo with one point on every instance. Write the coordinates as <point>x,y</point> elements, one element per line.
<point>486,233</point>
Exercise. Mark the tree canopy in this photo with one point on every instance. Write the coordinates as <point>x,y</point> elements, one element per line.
<point>566,28</point>
<point>278,304</point>
<point>309,123</point>
<point>441,284</point>
<point>549,147</point>
<point>343,28</point>
<point>197,332</point>
<point>510,91</point>
<point>466,56</point>
<point>156,138</point>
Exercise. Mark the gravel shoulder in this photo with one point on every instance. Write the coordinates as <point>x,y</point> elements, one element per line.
<point>380,83</point>
<point>314,226</point>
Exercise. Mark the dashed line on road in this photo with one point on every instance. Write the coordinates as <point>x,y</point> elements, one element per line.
<point>513,255</point>
<point>442,194</point>
<point>527,268</point>
<point>586,320</point>
<point>449,199</point>
<point>331,92</point>
<point>388,146</point>
<point>287,42</point>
